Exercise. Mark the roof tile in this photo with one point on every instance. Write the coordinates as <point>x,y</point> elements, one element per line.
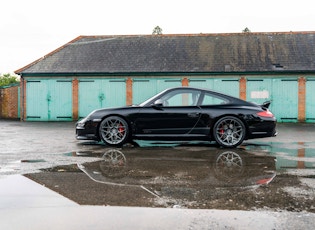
<point>239,52</point>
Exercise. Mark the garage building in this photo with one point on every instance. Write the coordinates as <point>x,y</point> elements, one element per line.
<point>92,72</point>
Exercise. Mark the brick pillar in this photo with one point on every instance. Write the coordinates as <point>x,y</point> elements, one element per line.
<point>185,81</point>
<point>242,88</point>
<point>129,91</point>
<point>301,99</point>
<point>75,99</point>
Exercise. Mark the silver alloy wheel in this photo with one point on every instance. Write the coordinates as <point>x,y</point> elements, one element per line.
<point>114,131</point>
<point>229,131</point>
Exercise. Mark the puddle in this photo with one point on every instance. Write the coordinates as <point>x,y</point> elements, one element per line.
<point>160,187</point>
<point>33,161</point>
<point>182,175</point>
<point>186,176</point>
<point>289,156</point>
<point>225,168</point>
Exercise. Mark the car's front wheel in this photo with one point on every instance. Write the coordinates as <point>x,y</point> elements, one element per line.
<point>114,131</point>
<point>229,131</point>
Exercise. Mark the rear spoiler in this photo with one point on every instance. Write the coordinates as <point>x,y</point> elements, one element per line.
<point>265,105</point>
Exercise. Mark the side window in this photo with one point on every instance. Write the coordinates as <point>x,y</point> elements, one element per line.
<point>210,99</point>
<point>181,98</point>
<point>175,100</point>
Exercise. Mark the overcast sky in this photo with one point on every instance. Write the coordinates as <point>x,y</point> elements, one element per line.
<point>32,28</point>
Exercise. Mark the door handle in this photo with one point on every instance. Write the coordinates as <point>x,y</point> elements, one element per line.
<point>193,115</point>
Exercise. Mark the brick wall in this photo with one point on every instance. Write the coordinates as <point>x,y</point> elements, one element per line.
<point>9,102</point>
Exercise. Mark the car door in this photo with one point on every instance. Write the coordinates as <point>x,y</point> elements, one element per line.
<point>176,113</point>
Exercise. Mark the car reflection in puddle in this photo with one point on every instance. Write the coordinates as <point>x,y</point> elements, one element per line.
<point>176,176</point>
<point>190,177</point>
<point>227,168</point>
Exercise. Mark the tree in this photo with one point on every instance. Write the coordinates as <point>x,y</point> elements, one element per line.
<point>157,30</point>
<point>246,30</point>
<point>8,79</point>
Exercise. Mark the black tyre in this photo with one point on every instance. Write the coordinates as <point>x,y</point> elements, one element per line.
<point>229,132</point>
<point>114,131</point>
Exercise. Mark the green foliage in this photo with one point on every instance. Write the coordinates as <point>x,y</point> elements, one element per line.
<point>157,30</point>
<point>8,79</point>
<point>246,30</point>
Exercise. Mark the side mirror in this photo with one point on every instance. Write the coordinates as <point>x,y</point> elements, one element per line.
<point>158,103</point>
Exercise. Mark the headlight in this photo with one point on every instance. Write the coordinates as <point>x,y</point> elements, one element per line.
<point>81,123</point>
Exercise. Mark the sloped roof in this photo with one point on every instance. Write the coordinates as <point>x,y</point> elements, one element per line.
<point>195,53</point>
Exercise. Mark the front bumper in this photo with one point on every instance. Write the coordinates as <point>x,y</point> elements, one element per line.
<point>86,137</point>
<point>87,130</point>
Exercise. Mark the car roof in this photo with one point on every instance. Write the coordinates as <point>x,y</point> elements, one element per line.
<point>204,89</point>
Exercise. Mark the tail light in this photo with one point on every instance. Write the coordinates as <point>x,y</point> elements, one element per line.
<point>265,113</point>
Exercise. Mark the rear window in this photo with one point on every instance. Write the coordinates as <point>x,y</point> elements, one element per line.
<point>210,99</point>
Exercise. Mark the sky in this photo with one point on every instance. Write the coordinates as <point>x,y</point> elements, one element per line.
<point>30,29</point>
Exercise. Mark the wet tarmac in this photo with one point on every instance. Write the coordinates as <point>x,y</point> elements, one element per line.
<point>45,173</point>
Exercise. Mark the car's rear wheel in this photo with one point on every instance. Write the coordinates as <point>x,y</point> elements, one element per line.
<point>114,131</point>
<point>229,131</point>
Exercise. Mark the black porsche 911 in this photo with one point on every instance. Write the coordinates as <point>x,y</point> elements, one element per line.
<point>182,113</point>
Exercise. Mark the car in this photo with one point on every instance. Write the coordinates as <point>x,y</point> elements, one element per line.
<point>181,114</point>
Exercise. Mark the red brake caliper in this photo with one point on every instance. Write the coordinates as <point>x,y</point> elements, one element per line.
<point>221,131</point>
<point>121,128</point>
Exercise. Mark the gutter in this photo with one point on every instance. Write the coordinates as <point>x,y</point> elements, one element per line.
<point>134,74</point>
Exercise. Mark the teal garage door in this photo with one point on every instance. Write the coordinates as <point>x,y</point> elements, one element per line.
<point>227,86</point>
<point>258,90</point>
<point>201,83</point>
<point>90,96</point>
<point>310,100</point>
<point>163,84</point>
<point>144,88</point>
<point>100,93</point>
<point>285,99</point>
<point>115,92</point>
<point>49,100</point>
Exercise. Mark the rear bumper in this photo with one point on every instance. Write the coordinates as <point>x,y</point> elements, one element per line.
<point>263,129</point>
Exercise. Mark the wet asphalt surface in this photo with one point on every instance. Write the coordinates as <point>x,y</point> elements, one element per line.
<point>263,175</point>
